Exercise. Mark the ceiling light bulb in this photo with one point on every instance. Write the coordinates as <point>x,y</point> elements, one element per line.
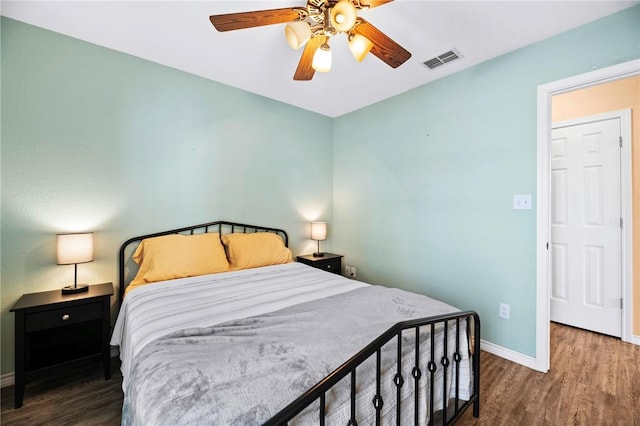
<point>343,16</point>
<point>297,33</point>
<point>322,59</point>
<point>359,46</point>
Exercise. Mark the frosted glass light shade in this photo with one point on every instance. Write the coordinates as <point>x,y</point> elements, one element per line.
<point>74,248</point>
<point>343,16</point>
<point>359,46</point>
<point>322,59</point>
<point>297,33</point>
<point>318,231</point>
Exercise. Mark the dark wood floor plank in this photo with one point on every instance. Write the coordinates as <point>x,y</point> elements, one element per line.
<point>594,380</point>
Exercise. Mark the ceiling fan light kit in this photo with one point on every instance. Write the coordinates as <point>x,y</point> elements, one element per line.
<point>313,26</point>
<point>297,33</point>
<point>343,16</point>
<point>359,46</point>
<point>322,58</point>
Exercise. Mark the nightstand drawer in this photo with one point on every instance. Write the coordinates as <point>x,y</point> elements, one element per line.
<point>330,266</point>
<point>62,316</point>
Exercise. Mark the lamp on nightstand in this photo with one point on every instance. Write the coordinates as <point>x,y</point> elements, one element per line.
<point>71,250</point>
<point>318,233</point>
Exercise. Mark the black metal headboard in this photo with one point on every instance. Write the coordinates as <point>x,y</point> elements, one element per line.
<point>221,227</point>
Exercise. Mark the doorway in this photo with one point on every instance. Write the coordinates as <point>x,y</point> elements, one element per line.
<point>543,258</point>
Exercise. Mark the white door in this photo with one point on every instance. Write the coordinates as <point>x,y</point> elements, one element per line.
<point>586,233</point>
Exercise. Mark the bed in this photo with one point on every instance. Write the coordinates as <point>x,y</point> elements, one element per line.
<point>255,338</point>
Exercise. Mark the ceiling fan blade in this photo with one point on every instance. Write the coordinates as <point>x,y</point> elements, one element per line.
<point>305,71</point>
<point>384,48</point>
<point>257,18</point>
<point>374,3</point>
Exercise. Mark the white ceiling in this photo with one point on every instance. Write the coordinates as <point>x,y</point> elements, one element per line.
<point>178,34</point>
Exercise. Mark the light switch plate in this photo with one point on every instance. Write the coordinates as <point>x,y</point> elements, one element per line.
<point>522,202</point>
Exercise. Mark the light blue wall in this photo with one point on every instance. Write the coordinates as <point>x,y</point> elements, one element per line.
<point>417,189</point>
<point>423,182</point>
<point>97,140</point>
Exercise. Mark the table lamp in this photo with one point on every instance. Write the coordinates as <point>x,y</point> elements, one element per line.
<point>318,233</point>
<point>71,250</point>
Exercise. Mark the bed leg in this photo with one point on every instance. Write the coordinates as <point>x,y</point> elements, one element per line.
<point>476,366</point>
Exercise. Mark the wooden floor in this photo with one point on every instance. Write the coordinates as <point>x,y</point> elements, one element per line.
<point>594,380</point>
<point>81,398</point>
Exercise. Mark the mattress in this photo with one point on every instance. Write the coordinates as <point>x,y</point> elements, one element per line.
<point>237,347</point>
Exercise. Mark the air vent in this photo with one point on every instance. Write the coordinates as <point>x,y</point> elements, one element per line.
<point>449,56</point>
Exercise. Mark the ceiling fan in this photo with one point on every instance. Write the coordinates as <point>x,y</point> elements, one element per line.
<point>313,26</point>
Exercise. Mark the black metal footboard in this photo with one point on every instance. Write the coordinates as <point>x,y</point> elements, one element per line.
<point>465,325</point>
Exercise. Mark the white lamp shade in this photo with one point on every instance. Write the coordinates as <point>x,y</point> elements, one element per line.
<point>74,248</point>
<point>297,33</point>
<point>343,16</point>
<point>359,46</point>
<point>322,59</point>
<point>318,231</point>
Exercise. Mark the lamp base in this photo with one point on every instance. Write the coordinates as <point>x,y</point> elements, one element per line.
<point>80,288</point>
<point>318,254</point>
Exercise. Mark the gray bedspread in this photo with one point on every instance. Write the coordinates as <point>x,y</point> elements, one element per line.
<point>244,371</point>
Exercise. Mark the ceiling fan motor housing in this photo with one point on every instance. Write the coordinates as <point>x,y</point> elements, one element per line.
<point>335,16</point>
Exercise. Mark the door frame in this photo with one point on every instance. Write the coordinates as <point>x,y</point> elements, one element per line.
<point>543,206</point>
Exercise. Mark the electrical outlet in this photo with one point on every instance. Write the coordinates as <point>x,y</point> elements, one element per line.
<point>350,271</point>
<point>504,311</point>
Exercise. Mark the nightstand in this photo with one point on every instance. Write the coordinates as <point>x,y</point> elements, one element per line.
<point>54,331</point>
<point>329,262</point>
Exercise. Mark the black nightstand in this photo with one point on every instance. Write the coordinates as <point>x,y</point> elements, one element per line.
<point>55,331</point>
<point>329,262</point>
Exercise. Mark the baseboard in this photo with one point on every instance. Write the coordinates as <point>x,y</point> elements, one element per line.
<point>7,380</point>
<point>522,359</point>
<point>508,354</point>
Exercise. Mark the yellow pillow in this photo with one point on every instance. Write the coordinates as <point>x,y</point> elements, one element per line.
<point>178,256</point>
<point>254,250</point>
